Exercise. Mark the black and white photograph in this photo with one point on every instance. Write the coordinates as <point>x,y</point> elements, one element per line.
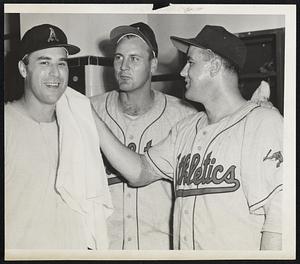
<point>132,133</point>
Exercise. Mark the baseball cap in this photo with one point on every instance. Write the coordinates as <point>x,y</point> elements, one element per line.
<point>43,37</point>
<point>139,29</point>
<point>217,39</point>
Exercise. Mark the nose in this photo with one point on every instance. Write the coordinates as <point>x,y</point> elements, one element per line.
<point>183,72</point>
<point>124,64</point>
<point>54,70</point>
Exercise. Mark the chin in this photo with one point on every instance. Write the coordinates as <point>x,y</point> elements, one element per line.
<point>187,95</point>
<point>125,88</point>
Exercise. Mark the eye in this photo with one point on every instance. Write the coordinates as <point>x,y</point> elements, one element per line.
<point>62,64</point>
<point>134,58</point>
<point>117,57</point>
<point>44,62</point>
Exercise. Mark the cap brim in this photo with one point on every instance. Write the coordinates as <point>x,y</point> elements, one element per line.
<point>120,31</point>
<point>183,44</point>
<point>70,48</point>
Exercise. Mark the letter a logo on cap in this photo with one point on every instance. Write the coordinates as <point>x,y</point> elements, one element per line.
<point>52,36</point>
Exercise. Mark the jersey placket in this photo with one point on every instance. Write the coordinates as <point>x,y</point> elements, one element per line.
<point>192,204</point>
<point>131,227</point>
<point>130,219</point>
<point>186,225</point>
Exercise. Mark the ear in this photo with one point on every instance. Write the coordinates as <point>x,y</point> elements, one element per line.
<point>22,69</point>
<point>154,64</point>
<point>215,66</point>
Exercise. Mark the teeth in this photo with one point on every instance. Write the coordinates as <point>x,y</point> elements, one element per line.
<point>52,84</point>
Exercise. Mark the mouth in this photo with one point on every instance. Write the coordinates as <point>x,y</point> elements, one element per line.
<point>125,77</point>
<point>187,83</point>
<point>54,85</point>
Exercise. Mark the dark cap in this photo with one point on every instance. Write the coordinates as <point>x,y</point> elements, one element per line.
<point>43,37</point>
<point>219,40</point>
<point>139,29</point>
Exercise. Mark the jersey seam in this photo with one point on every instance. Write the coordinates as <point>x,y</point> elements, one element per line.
<point>262,200</point>
<point>138,151</point>
<point>152,123</point>
<point>108,113</point>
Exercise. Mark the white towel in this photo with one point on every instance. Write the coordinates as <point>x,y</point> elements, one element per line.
<point>81,179</point>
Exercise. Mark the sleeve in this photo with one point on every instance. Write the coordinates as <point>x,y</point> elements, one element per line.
<point>273,222</point>
<point>161,156</point>
<point>262,157</point>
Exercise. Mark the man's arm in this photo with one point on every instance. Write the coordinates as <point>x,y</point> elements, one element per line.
<point>271,235</point>
<point>127,162</point>
<point>271,241</point>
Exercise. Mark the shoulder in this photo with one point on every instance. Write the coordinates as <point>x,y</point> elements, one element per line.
<point>9,110</point>
<point>264,116</point>
<point>99,98</point>
<point>177,102</point>
<point>13,117</point>
<point>264,122</point>
<point>99,101</point>
<point>179,106</point>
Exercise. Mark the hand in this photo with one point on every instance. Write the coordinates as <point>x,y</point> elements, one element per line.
<point>262,93</point>
<point>261,96</point>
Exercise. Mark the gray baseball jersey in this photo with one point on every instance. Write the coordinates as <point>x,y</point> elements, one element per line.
<point>223,175</point>
<point>142,216</point>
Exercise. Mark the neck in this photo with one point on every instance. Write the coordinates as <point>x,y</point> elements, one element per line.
<point>137,102</point>
<point>37,111</point>
<point>226,100</point>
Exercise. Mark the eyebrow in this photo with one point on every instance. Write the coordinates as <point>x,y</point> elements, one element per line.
<point>133,54</point>
<point>48,58</point>
<point>43,58</point>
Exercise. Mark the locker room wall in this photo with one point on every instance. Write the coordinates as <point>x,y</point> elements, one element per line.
<point>91,32</point>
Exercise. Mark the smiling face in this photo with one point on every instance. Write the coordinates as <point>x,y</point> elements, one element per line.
<point>133,64</point>
<point>46,75</point>
<point>197,74</point>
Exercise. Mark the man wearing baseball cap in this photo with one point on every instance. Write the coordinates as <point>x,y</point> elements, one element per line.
<point>55,190</point>
<point>226,164</point>
<point>139,117</point>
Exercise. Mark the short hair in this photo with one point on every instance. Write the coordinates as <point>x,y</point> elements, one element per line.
<point>208,54</point>
<point>149,50</point>
<point>25,59</point>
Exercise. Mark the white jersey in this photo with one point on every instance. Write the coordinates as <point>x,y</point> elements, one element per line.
<point>142,216</point>
<point>36,217</point>
<point>223,175</point>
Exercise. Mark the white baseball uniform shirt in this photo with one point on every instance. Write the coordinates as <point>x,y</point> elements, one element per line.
<point>223,174</point>
<point>142,216</point>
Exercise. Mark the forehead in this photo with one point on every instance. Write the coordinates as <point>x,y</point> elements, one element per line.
<point>197,52</point>
<point>132,45</point>
<point>50,53</point>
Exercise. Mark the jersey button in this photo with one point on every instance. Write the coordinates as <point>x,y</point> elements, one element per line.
<point>199,148</point>
<point>128,195</point>
<point>186,211</point>
<point>204,133</point>
<point>131,137</point>
<point>128,216</point>
<point>129,239</point>
<point>185,238</point>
